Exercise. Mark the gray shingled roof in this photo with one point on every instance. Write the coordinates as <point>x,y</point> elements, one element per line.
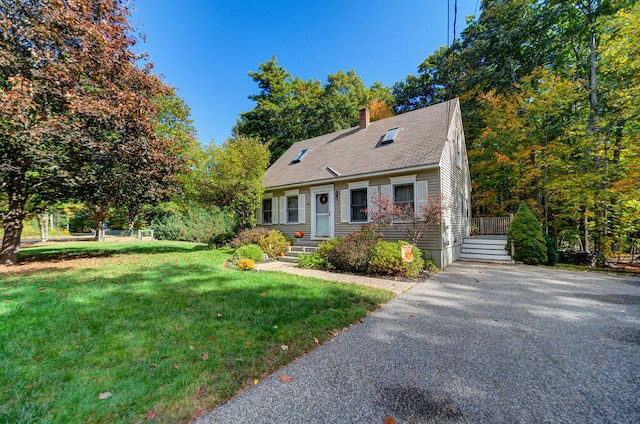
<point>353,152</point>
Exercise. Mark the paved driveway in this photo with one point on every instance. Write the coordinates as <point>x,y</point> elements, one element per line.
<point>477,344</point>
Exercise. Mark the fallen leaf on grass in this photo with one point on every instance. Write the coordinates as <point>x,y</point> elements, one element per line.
<point>256,381</point>
<point>38,358</point>
<point>105,395</point>
<point>316,341</point>
<point>204,356</point>
<point>389,420</point>
<point>285,378</point>
<point>164,358</point>
<point>202,392</point>
<point>192,347</point>
<point>151,414</point>
<point>264,293</point>
<point>176,366</point>
<point>284,347</point>
<point>219,315</point>
<point>152,365</point>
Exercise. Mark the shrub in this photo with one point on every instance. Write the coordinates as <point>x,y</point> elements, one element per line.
<point>310,260</point>
<point>323,250</point>
<point>250,251</point>
<point>248,236</point>
<point>526,235</point>
<point>552,250</point>
<point>246,264</point>
<point>274,243</point>
<point>197,224</point>
<point>352,253</point>
<point>386,259</point>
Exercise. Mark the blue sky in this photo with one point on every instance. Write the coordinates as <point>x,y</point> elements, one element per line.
<point>205,48</point>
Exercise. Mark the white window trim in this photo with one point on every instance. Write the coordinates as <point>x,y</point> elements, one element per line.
<point>272,210</point>
<point>404,180</point>
<point>329,189</point>
<point>293,193</point>
<point>366,188</point>
<point>458,146</point>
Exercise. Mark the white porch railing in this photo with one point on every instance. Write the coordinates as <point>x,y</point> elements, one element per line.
<point>490,225</point>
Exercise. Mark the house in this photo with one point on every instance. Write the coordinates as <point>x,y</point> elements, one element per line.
<point>322,185</point>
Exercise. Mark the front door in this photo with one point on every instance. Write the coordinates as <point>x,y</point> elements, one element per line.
<point>322,225</point>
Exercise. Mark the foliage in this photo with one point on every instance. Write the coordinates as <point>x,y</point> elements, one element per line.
<point>182,312</point>
<point>246,264</point>
<point>352,253</point>
<point>248,236</point>
<point>526,236</point>
<point>412,223</point>
<point>274,243</point>
<point>311,260</point>
<point>549,94</point>
<point>552,250</point>
<point>290,109</point>
<point>230,177</point>
<point>196,224</point>
<point>76,113</point>
<point>386,259</point>
<point>249,251</point>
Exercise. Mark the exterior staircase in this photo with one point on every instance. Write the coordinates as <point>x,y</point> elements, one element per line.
<point>299,248</point>
<point>486,249</point>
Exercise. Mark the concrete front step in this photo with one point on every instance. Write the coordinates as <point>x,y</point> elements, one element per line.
<point>485,242</point>
<point>480,249</point>
<point>296,250</point>
<point>480,256</point>
<point>290,259</point>
<point>470,248</point>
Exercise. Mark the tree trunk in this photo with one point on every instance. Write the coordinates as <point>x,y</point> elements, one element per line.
<point>99,218</point>
<point>132,214</point>
<point>12,222</point>
<point>43,223</point>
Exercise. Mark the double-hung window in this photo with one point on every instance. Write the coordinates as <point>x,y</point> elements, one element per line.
<point>267,211</point>
<point>358,204</point>
<point>292,209</point>
<point>403,196</point>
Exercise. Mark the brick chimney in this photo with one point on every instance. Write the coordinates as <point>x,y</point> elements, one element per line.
<point>364,118</point>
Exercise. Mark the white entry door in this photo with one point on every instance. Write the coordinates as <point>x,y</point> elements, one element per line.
<point>322,213</point>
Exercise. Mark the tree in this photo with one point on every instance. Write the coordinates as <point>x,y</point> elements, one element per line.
<point>413,223</point>
<point>290,109</point>
<point>525,235</point>
<point>230,177</point>
<point>75,110</point>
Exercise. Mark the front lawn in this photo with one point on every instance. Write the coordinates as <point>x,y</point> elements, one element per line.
<point>162,331</point>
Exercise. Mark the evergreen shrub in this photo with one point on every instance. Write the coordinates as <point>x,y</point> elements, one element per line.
<point>527,238</point>
<point>552,250</point>
<point>386,259</point>
<point>197,224</point>
<point>250,251</point>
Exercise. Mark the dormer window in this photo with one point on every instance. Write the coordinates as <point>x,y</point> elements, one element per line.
<point>300,156</point>
<point>390,136</point>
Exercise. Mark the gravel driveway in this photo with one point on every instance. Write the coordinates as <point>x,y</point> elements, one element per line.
<point>476,343</point>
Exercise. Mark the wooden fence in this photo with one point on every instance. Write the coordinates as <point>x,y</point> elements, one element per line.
<point>490,225</point>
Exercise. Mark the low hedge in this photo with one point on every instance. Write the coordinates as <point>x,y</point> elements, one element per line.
<point>385,258</point>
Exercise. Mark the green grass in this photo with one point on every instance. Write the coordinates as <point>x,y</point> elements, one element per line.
<point>73,329</point>
<point>605,270</point>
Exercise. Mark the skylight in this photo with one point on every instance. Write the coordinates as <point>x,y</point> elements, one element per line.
<point>390,136</point>
<point>300,156</point>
